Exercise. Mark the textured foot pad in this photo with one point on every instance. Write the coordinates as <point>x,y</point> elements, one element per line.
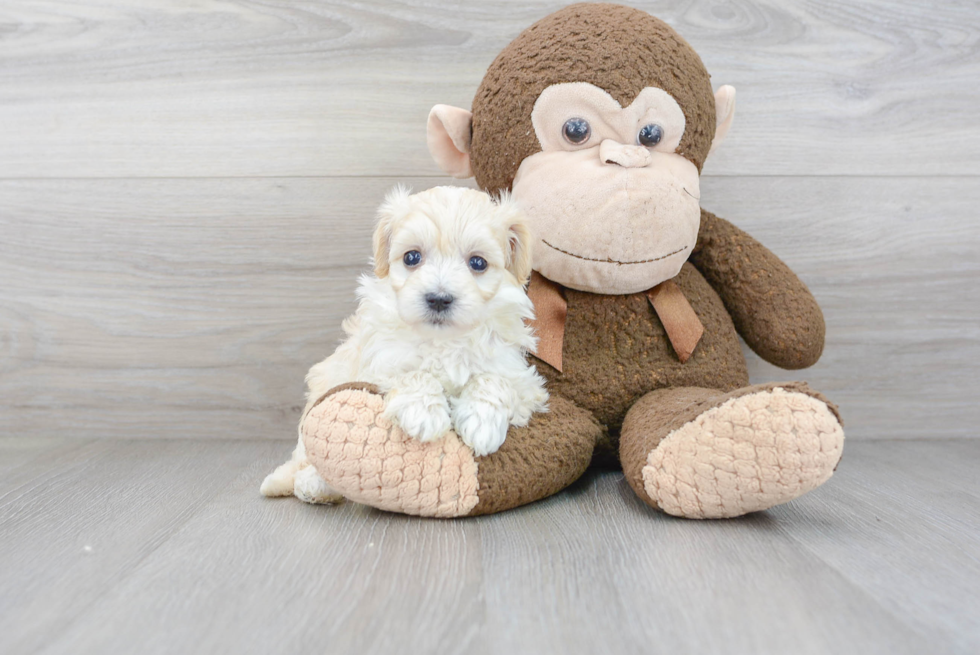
<point>367,459</point>
<point>751,453</point>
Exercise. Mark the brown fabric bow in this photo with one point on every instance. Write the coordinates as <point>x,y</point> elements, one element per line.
<point>684,328</point>
<point>550,310</point>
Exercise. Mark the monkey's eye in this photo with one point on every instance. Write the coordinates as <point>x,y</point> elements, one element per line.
<point>478,264</point>
<point>650,135</point>
<point>412,258</point>
<point>576,131</point>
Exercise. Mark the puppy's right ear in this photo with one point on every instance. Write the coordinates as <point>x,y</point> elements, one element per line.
<point>448,135</point>
<point>393,205</point>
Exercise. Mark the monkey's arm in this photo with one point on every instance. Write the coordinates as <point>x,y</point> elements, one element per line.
<point>772,309</point>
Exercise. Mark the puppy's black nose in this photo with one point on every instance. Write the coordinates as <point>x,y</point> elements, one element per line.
<point>438,302</point>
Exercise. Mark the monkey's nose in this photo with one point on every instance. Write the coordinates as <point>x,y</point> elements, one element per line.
<point>611,152</point>
<point>438,302</point>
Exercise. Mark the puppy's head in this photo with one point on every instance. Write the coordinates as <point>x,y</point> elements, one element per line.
<point>447,253</point>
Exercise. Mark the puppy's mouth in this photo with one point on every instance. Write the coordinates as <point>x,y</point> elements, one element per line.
<point>437,321</point>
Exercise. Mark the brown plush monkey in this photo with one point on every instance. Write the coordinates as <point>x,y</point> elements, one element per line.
<point>598,118</point>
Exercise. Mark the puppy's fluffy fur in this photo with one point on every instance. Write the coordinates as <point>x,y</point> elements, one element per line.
<point>439,328</point>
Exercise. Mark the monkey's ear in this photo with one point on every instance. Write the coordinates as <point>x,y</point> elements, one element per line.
<point>724,114</point>
<point>448,134</point>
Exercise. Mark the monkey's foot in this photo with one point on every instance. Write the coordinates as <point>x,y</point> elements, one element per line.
<point>362,455</point>
<point>698,453</point>
<point>369,460</point>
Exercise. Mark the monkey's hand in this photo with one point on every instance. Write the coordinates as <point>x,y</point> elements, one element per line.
<point>772,309</point>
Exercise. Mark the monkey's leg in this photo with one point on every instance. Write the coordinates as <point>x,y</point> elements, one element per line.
<point>368,460</point>
<point>701,453</point>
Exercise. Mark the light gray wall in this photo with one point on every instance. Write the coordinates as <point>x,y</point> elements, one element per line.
<point>187,191</point>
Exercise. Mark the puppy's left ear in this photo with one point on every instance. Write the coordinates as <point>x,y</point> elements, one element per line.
<point>518,237</point>
<point>394,204</point>
<point>519,262</point>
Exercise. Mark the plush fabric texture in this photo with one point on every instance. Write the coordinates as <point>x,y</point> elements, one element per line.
<point>360,454</point>
<point>648,422</point>
<point>772,309</point>
<point>611,123</point>
<point>539,460</point>
<point>692,452</point>
<point>448,138</point>
<point>700,454</point>
<point>680,322</point>
<point>724,113</point>
<point>609,228</point>
<point>361,386</point>
<point>683,327</point>
<point>616,351</point>
<point>692,437</point>
<point>619,49</point>
<point>550,312</point>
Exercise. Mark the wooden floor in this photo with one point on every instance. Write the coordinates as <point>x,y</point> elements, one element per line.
<point>112,545</point>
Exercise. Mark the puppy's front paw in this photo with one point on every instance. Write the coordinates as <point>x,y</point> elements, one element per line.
<point>481,425</point>
<point>417,403</point>
<point>425,421</point>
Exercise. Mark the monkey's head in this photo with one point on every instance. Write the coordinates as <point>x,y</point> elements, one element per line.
<point>598,118</point>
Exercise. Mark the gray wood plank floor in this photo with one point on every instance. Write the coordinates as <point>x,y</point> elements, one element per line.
<point>164,546</point>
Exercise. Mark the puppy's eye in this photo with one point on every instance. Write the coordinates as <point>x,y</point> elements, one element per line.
<point>650,135</point>
<point>576,131</point>
<point>478,264</point>
<point>412,258</point>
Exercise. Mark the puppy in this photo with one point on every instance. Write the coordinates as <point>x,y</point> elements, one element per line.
<point>439,328</point>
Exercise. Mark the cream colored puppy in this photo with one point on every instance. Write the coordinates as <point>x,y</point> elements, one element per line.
<point>439,328</point>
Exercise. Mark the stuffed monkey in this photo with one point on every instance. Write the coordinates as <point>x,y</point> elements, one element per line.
<point>598,119</point>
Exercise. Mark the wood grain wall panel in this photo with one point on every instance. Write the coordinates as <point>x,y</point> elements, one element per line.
<point>278,88</point>
<point>193,307</point>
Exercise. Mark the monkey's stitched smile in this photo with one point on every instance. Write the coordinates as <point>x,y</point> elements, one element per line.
<point>613,261</point>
